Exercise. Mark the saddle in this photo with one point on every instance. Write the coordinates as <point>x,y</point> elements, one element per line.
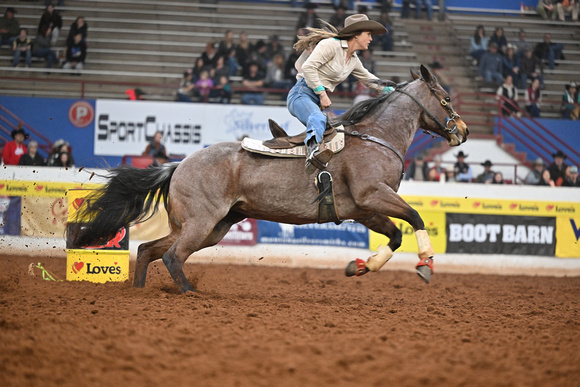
<point>282,140</point>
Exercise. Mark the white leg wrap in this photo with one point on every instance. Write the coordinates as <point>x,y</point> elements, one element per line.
<point>375,262</point>
<point>424,244</point>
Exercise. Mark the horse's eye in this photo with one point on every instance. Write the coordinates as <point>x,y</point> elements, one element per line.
<point>447,99</point>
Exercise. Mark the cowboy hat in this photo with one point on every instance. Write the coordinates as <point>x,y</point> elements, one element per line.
<point>19,131</point>
<point>559,154</point>
<point>572,84</point>
<point>573,169</point>
<point>461,154</point>
<point>487,163</point>
<point>539,161</point>
<point>360,22</point>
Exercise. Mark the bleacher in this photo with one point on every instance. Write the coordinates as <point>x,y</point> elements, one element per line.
<point>148,44</point>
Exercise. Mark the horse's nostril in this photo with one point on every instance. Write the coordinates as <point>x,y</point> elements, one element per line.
<point>467,131</point>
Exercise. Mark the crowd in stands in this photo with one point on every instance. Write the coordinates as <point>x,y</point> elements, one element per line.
<point>45,44</point>
<point>16,152</point>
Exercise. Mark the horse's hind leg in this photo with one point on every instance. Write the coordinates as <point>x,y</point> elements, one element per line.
<point>149,252</point>
<point>382,225</point>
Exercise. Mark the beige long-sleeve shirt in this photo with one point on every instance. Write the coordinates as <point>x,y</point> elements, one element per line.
<point>327,66</point>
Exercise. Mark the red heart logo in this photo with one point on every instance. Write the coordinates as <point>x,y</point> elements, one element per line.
<point>434,202</point>
<point>39,187</point>
<point>77,203</point>
<point>115,263</point>
<point>550,207</point>
<point>77,266</point>
<point>513,206</point>
<point>476,204</point>
<point>2,186</point>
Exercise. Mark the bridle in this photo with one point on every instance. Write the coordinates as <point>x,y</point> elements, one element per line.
<point>451,119</point>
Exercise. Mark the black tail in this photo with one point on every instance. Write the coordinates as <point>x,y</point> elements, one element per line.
<point>127,197</point>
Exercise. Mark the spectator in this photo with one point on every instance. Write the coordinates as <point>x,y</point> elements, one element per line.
<point>386,5</point>
<point>522,44</point>
<point>498,178</point>
<point>32,157</point>
<point>209,56</point>
<point>511,64</point>
<point>549,51</point>
<point>436,69</point>
<point>21,47</point>
<point>156,149</point>
<point>405,9</point>
<point>60,146</point>
<point>135,94</point>
<point>290,70</point>
<point>531,67</point>
<point>510,93</point>
<point>204,86</point>
<point>571,179</point>
<point>15,149</point>
<point>418,170</point>
<point>76,53</point>
<point>478,44</point>
<point>220,70</point>
<point>274,47</point>
<point>337,18</point>
<point>437,171</point>
<point>558,168</point>
<point>546,179</point>
<point>9,27</point>
<point>198,67</point>
<point>308,18</point>
<point>79,26</point>
<point>253,80</point>
<point>227,49</point>
<point>567,7</point>
<point>275,75</point>
<point>487,176</point>
<point>491,65</point>
<point>60,2</point>
<point>533,98</point>
<point>570,108</point>
<point>534,177</point>
<point>546,9</point>
<point>259,55</point>
<point>451,176</point>
<point>64,160</point>
<point>222,92</point>
<point>386,40</point>
<point>41,47</point>
<point>428,7</point>
<point>462,170</point>
<point>499,38</point>
<point>51,19</point>
<point>185,91</point>
<point>243,52</point>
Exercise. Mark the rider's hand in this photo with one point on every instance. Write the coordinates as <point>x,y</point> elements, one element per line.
<point>325,102</point>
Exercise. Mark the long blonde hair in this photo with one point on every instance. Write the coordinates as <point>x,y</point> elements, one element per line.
<point>315,35</point>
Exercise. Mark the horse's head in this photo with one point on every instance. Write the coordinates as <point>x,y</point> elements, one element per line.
<point>439,109</point>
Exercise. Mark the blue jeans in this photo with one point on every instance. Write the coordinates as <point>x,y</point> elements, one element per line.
<point>47,54</point>
<point>253,99</point>
<point>524,80</point>
<point>18,54</point>
<point>304,104</point>
<point>555,52</point>
<point>429,7</point>
<point>492,76</point>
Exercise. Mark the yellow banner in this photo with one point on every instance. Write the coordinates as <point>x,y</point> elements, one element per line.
<point>98,266</point>
<point>492,206</point>
<point>568,237</point>
<point>43,217</point>
<point>40,188</point>
<point>434,224</point>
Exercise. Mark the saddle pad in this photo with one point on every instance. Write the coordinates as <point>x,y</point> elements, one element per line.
<point>257,146</point>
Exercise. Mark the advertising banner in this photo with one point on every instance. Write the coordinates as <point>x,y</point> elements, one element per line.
<point>244,233</point>
<point>126,127</point>
<point>488,234</point>
<point>325,234</point>
<point>44,217</point>
<point>10,215</point>
<point>51,189</point>
<point>568,237</point>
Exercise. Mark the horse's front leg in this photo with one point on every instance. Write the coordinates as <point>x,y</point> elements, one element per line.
<point>388,203</point>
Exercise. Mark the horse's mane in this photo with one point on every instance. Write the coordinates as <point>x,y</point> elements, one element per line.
<point>364,108</point>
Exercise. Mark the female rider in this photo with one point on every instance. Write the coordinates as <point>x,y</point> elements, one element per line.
<point>329,57</point>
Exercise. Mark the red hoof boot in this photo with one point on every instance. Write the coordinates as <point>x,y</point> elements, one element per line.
<point>356,268</point>
<point>425,269</point>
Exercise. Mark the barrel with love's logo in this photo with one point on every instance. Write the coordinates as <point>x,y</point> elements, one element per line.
<point>108,262</point>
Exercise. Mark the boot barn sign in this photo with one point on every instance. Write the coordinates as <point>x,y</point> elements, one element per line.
<point>126,127</point>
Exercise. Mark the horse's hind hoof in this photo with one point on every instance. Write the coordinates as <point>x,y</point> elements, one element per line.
<point>425,273</point>
<point>356,268</point>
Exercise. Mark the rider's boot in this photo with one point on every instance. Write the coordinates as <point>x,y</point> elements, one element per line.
<point>316,159</point>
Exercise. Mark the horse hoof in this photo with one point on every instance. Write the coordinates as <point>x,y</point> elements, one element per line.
<point>356,268</point>
<point>425,273</point>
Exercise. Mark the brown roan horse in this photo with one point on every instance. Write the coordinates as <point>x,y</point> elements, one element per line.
<point>216,187</point>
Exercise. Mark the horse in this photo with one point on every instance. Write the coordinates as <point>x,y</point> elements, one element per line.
<point>218,186</point>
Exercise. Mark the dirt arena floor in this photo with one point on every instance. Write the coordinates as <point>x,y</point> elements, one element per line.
<point>264,326</point>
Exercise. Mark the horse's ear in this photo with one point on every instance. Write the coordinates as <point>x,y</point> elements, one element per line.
<point>426,75</point>
<point>414,74</point>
